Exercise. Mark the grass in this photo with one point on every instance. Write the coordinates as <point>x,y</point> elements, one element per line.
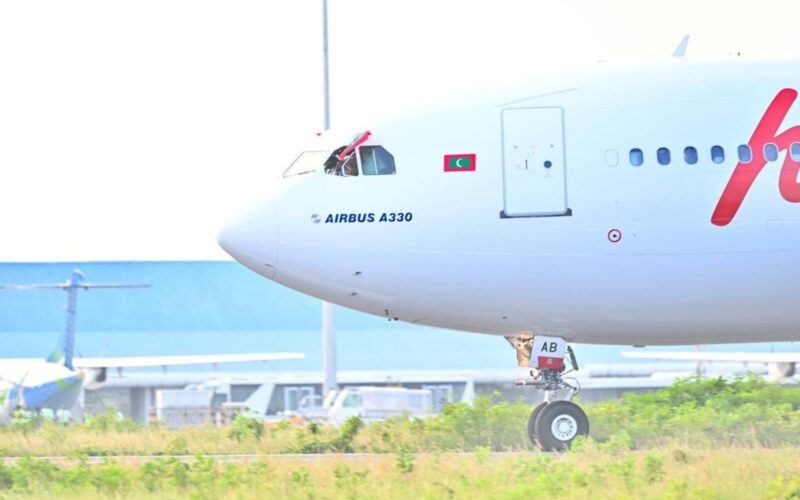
<point>743,412</point>
<point>664,473</point>
<point>700,438</point>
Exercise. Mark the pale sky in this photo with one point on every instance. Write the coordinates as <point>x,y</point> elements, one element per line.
<point>129,129</point>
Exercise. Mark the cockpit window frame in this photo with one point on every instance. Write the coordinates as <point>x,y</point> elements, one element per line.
<point>308,170</point>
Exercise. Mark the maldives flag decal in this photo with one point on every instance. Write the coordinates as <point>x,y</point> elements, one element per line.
<point>459,163</point>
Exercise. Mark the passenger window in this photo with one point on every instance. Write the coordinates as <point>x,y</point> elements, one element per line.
<point>771,152</point>
<point>663,156</point>
<point>637,158</point>
<point>717,154</point>
<point>745,153</point>
<point>612,158</point>
<point>795,151</point>
<point>690,155</point>
<point>375,160</point>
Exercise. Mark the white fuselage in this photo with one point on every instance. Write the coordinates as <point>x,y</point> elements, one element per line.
<point>36,384</point>
<point>594,249</point>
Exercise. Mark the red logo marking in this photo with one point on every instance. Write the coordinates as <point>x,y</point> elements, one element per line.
<point>548,362</point>
<point>615,236</point>
<point>745,173</point>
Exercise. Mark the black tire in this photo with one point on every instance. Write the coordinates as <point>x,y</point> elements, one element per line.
<point>532,423</point>
<point>567,416</point>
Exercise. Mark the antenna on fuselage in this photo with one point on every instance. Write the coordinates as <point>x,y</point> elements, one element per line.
<point>65,350</point>
<point>328,311</point>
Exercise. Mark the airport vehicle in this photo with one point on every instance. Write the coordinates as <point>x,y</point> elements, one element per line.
<point>370,404</point>
<point>651,204</point>
<point>56,382</point>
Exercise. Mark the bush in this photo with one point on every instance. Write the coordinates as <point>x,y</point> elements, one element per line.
<point>178,446</point>
<point>344,442</point>
<point>742,411</point>
<point>109,420</point>
<point>654,468</point>
<point>405,461</point>
<point>461,426</point>
<point>245,427</point>
<point>6,478</point>
<point>110,477</point>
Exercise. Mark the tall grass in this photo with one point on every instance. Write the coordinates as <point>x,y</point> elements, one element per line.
<point>670,473</point>
<point>697,412</point>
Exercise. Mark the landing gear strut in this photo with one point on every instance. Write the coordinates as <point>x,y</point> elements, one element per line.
<point>556,422</point>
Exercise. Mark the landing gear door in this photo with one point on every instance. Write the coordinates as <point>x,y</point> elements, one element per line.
<point>534,162</point>
<point>548,352</point>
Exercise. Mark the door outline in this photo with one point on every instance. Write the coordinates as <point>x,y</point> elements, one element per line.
<point>568,212</point>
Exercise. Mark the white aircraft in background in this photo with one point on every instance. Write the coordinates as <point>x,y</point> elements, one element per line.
<point>56,382</point>
<point>642,205</point>
<point>781,366</point>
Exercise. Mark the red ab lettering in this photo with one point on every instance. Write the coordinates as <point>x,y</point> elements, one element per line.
<point>746,173</point>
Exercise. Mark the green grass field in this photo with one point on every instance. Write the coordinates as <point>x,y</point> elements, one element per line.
<point>670,472</point>
<point>701,438</point>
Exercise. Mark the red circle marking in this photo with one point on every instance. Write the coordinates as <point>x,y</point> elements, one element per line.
<point>615,236</point>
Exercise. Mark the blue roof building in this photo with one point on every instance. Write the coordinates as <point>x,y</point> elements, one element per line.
<point>203,307</point>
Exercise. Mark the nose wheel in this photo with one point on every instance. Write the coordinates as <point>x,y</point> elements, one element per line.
<point>555,423</point>
<point>553,426</point>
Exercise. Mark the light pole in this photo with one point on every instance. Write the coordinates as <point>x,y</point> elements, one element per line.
<point>328,311</point>
<point>326,94</point>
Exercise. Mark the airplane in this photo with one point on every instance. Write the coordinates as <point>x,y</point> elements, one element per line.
<point>622,204</point>
<point>56,382</point>
<point>781,366</point>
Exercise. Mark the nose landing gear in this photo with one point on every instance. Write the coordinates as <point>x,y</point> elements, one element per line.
<point>557,425</point>
<point>556,422</point>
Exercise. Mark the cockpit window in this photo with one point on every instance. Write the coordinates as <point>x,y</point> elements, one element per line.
<point>350,166</point>
<point>306,163</point>
<point>372,160</point>
<point>334,165</point>
<point>344,161</point>
<point>375,160</point>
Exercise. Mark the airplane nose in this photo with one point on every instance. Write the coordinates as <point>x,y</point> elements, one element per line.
<point>252,238</point>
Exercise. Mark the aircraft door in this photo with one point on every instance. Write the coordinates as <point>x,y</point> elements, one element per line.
<point>534,162</point>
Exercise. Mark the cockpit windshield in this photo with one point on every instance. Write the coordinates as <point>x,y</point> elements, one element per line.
<point>348,160</point>
<point>375,160</point>
<point>306,163</point>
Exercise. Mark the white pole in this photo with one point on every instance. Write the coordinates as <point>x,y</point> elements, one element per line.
<point>328,312</point>
<point>326,94</point>
<point>328,348</point>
